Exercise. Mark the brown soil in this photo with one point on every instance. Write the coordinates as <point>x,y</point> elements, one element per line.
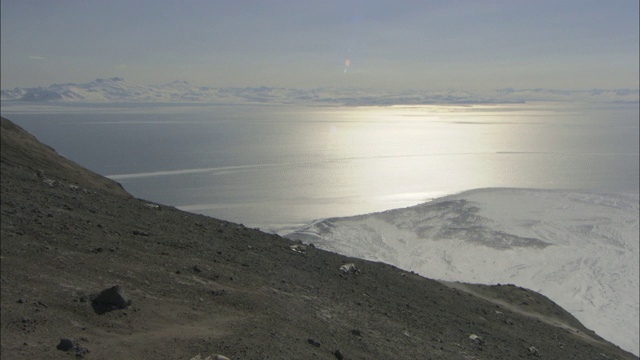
<point>201,286</point>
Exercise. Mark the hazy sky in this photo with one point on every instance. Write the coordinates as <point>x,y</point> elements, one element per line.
<point>396,44</point>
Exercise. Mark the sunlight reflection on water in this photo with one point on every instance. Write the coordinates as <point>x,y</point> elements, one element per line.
<point>277,166</point>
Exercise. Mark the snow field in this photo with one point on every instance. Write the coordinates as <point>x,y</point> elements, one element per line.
<point>579,249</point>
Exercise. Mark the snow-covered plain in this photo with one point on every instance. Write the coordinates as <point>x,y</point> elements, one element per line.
<point>579,249</point>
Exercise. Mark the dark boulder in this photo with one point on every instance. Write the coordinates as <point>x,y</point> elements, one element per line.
<point>65,345</point>
<point>113,298</point>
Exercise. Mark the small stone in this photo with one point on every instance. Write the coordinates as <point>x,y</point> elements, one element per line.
<point>477,340</point>
<point>313,342</point>
<point>299,248</point>
<point>65,345</point>
<point>349,269</point>
<point>338,355</point>
<point>197,269</point>
<point>356,332</point>
<point>81,351</point>
<point>533,351</point>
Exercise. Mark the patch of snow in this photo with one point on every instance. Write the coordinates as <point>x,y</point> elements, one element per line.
<point>579,249</point>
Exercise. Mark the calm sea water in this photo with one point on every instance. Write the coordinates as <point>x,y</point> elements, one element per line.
<point>277,167</point>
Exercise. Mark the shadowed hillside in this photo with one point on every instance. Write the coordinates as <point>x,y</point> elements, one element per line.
<point>191,285</point>
<point>23,150</point>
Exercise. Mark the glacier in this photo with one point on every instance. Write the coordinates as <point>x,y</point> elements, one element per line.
<point>580,249</point>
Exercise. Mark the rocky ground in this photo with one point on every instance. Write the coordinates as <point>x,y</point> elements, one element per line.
<point>191,286</point>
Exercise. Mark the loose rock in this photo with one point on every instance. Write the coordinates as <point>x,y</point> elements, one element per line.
<point>477,339</point>
<point>112,298</point>
<point>68,344</point>
<point>299,248</point>
<point>313,342</point>
<point>212,357</point>
<point>533,351</point>
<point>65,344</point>
<point>349,268</point>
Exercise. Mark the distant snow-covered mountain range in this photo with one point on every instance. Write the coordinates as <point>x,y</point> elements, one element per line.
<point>118,90</point>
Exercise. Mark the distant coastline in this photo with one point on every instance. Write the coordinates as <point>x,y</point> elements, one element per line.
<point>117,91</point>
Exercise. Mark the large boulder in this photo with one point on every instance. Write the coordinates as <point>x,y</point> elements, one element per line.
<point>113,298</point>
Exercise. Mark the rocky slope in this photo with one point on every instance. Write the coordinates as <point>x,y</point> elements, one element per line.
<point>201,286</point>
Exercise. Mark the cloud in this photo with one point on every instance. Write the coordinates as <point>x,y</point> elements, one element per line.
<point>34,57</point>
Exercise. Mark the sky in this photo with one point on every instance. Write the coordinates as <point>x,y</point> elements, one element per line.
<point>388,45</point>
